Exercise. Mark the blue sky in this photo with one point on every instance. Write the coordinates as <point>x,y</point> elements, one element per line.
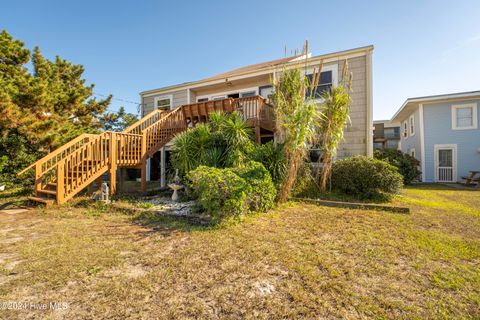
<point>421,47</point>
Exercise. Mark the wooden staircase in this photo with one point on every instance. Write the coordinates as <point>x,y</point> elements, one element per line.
<point>63,173</point>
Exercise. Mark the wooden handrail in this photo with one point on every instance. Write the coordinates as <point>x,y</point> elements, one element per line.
<point>81,161</point>
<point>57,152</point>
<point>146,121</point>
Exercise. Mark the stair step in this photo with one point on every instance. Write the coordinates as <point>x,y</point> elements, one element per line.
<point>52,184</point>
<point>52,192</point>
<point>46,201</point>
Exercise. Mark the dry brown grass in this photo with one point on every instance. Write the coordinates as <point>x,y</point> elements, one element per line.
<point>299,261</point>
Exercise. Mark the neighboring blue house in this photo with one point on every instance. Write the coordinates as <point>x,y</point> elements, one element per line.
<point>443,133</point>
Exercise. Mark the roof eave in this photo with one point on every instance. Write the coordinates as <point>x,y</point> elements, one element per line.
<point>265,69</point>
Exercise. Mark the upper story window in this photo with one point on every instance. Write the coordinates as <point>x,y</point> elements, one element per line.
<point>248,94</point>
<point>464,116</point>
<point>412,125</point>
<point>405,129</point>
<point>266,91</point>
<point>324,84</point>
<point>163,102</point>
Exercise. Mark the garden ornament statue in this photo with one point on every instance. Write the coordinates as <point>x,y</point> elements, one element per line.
<point>105,193</point>
<point>175,186</point>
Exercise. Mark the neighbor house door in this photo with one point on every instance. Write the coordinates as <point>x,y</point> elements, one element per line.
<point>445,163</point>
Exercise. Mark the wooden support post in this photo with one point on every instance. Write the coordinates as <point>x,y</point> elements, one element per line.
<point>38,178</point>
<point>163,180</point>
<point>257,131</point>
<point>144,164</point>
<point>122,179</point>
<point>99,183</point>
<point>60,183</point>
<point>113,163</point>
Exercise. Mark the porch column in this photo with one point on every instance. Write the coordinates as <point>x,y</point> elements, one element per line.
<point>149,161</point>
<point>163,180</point>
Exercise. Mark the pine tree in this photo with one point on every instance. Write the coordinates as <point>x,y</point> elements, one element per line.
<point>46,107</point>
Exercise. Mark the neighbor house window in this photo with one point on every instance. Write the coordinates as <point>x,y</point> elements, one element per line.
<point>202,100</point>
<point>324,84</point>
<point>405,129</point>
<point>464,116</point>
<point>412,125</point>
<point>412,152</point>
<point>163,102</point>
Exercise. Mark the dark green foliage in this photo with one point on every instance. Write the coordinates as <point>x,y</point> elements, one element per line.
<point>366,177</point>
<point>117,121</point>
<point>261,194</point>
<point>17,154</point>
<point>231,192</point>
<point>220,192</point>
<point>273,158</point>
<point>406,164</point>
<point>223,142</point>
<point>45,107</point>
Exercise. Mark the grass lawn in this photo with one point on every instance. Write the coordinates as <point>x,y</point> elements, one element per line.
<point>298,261</point>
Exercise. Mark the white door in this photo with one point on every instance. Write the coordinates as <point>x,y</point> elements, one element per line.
<point>445,163</point>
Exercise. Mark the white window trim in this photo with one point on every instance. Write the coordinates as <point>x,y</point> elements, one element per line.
<point>226,93</point>
<point>474,116</point>
<point>412,150</point>
<point>411,125</point>
<point>405,129</point>
<point>333,68</point>
<point>437,147</point>
<point>167,96</point>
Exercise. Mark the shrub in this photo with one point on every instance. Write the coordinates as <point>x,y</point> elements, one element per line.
<point>261,194</point>
<point>222,142</point>
<point>220,192</point>
<point>406,164</point>
<point>366,177</point>
<point>273,158</point>
<point>233,191</point>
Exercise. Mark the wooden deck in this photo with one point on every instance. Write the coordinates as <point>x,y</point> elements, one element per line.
<point>64,172</point>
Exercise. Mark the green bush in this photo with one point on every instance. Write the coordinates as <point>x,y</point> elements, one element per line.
<point>261,191</point>
<point>220,192</point>
<point>273,158</point>
<point>406,164</point>
<point>366,178</point>
<point>230,192</point>
<point>223,142</point>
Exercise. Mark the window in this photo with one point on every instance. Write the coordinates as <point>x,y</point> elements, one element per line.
<point>202,100</point>
<point>392,144</point>
<point>405,129</point>
<point>412,125</point>
<point>248,94</point>
<point>218,98</point>
<point>464,116</point>
<point>163,102</point>
<point>266,91</point>
<point>324,84</point>
<point>412,152</point>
